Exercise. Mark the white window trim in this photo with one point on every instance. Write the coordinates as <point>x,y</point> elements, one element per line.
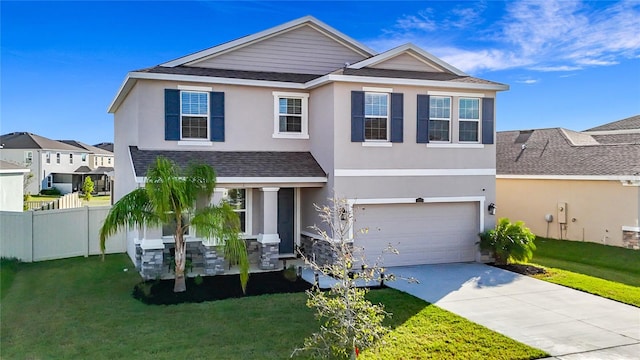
<point>304,133</point>
<point>377,143</point>
<point>28,157</point>
<point>450,120</point>
<point>47,157</point>
<point>476,120</point>
<point>58,158</point>
<point>70,159</point>
<point>388,139</point>
<point>208,120</point>
<point>248,201</point>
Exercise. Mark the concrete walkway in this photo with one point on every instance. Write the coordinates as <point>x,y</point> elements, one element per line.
<point>566,323</point>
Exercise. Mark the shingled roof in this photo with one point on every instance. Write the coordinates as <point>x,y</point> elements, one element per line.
<point>91,148</point>
<point>247,164</point>
<point>630,123</point>
<point>559,151</point>
<point>232,74</point>
<point>27,140</point>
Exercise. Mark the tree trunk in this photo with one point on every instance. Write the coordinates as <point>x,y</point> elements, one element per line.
<point>180,284</point>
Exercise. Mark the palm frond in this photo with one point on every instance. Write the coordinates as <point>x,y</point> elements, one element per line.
<point>133,209</point>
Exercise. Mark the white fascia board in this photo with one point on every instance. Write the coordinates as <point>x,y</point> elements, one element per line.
<point>351,43</point>
<point>122,93</point>
<point>573,177</point>
<point>405,48</point>
<point>631,228</point>
<point>412,172</point>
<point>396,81</point>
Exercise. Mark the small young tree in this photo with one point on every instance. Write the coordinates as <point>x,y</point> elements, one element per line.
<point>509,242</point>
<point>349,322</point>
<point>26,181</point>
<point>87,188</point>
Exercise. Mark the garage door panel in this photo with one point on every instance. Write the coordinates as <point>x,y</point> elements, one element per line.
<point>422,233</point>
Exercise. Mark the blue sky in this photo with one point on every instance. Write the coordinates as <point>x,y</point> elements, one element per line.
<point>572,64</point>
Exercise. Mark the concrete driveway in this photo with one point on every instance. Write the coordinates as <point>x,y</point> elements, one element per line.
<point>566,323</point>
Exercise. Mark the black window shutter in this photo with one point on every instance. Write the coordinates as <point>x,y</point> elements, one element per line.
<point>422,136</point>
<point>216,122</point>
<point>357,116</point>
<point>397,115</point>
<point>171,114</point>
<point>487,120</point>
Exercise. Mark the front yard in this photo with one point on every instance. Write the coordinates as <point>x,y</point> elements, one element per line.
<point>607,271</point>
<point>82,308</point>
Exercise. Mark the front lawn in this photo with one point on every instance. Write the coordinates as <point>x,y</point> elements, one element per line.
<point>607,271</point>
<point>601,261</point>
<point>82,308</point>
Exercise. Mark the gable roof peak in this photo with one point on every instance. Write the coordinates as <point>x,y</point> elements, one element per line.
<point>420,53</point>
<point>305,20</point>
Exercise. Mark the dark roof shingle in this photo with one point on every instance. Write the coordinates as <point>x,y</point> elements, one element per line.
<point>233,74</point>
<point>236,163</point>
<point>630,123</point>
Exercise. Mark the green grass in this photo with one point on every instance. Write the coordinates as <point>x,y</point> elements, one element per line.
<point>82,308</point>
<point>101,200</point>
<point>609,289</point>
<point>43,197</point>
<point>601,261</point>
<point>8,270</point>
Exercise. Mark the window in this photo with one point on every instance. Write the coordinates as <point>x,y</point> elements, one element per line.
<point>169,229</point>
<point>70,158</point>
<point>439,118</point>
<point>290,115</point>
<point>194,115</point>
<point>49,181</point>
<point>58,158</point>
<point>109,161</point>
<point>84,157</point>
<point>28,157</point>
<point>47,157</point>
<point>376,116</point>
<point>468,119</point>
<point>237,198</point>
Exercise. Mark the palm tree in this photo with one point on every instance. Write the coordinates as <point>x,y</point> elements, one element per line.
<point>169,197</point>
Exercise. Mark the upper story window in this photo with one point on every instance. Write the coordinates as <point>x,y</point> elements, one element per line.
<point>58,156</point>
<point>468,119</point>
<point>109,161</point>
<point>28,157</point>
<point>194,115</point>
<point>84,157</point>
<point>290,115</point>
<point>376,116</point>
<point>47,157</point>
<point>71,159</point>
<point>439,118</point>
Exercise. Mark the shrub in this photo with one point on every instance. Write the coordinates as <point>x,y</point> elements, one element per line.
<point>509,242</point>
<point>51,191</point>
<point>87,188</point>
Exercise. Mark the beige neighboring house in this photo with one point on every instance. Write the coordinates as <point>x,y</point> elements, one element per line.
<point>99,168</point>
<point>12,186</point>
<point>564,184</point>
<point>293,114</point>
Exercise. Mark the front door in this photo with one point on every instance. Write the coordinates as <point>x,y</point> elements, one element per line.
<point>286,219</point>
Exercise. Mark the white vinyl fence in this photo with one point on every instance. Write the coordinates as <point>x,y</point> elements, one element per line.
<point>56,234</point>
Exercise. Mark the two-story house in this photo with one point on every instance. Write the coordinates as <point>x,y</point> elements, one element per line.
<point>292,115</point>
<point>99,167</point>
<point>52,162</point>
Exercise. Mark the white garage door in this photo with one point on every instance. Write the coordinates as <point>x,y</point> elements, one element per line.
<point>423,233</point>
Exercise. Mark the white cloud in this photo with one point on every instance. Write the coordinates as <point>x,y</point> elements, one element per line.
<point>528,81</point>
<point>550,35</point>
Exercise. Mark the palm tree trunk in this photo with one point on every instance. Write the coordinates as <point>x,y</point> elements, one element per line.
<point>180,284</point>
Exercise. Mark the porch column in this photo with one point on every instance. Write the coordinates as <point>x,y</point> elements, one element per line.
<point>269,239</point>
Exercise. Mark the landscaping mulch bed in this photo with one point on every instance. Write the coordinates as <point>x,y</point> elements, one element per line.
<point>522,269</point>
<point>160,292</point>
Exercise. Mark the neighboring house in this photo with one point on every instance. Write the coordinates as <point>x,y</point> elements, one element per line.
<point>105,146</point>
<point>52,162</point>
<point>99,168</point>
<point>292,115</point>
<point>12,186</point>
<point>573,185</point>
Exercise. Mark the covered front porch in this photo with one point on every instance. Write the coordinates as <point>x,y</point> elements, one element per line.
<point>263,188</point>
